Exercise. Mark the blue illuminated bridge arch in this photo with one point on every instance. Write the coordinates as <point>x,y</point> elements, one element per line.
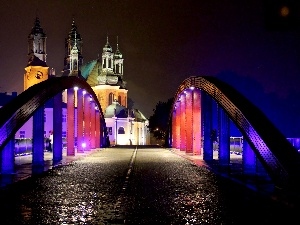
<point>277,155</point>
<point>19,110</point>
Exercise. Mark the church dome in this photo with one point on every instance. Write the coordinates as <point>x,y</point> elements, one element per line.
<point>115,110</point>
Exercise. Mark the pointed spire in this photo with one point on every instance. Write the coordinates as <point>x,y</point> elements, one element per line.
<point>74,32</point>
<point>75,45</point>
<point>74,40</point>
<point>37,41</point>
<point>73,58</point>
<point>75,48</point>
<point>117,43</point>
<point>107,47</point>
<point>118,54</point>
<point>37,29</point>
<point>73,25</point>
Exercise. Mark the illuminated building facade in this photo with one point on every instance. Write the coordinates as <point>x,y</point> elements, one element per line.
<point>36,70</point>
<point>104,75</point>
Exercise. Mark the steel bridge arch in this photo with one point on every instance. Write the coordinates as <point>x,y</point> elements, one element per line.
<point>18,111</point>
<point>275,152</point>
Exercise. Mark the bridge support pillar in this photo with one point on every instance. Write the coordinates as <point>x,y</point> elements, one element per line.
<point>182,123</point>
<point>197,136</point>
<point>98,138</point>
<point>103,137</point>
<point>38,138</point>
<point>177,126</point>
<point>224,137</point>
<point>249,159</point>
<point>80,112</point>
<point>172,136</point>
<point>206,114</point>
<point>57,128</point>
<point>93,124</point>
<point>87,113</point>
<point>8,158</point>
<point>189,121</point>
<point>70,122</point>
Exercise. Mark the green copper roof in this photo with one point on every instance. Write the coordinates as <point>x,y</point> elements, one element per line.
<point>87,68</point>
<point>115,109</point>
<point>139,116</point>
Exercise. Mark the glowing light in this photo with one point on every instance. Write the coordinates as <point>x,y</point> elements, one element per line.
<point>83,145</point>
<point>83,92</point>
<point>284,11</point>
<point>75,88</point>
<point>192,88</point>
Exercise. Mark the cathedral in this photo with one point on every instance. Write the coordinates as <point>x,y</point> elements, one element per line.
<point>125,126</point>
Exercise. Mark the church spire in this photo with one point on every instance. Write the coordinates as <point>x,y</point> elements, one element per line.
<point>107,47</point>
<point>74,40</point>
<point>118,60</point>
<point>74,59</point>
<point>118,54</point>
<point>107,57</point>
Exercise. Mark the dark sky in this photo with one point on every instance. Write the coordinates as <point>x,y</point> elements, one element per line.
<point>165,42</point>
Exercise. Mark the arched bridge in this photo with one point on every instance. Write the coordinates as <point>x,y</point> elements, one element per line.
<point>190,129</point>
<point>190,125</point>
<point>90,124</point>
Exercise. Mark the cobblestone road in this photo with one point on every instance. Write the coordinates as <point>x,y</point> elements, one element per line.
<point>130,186</point>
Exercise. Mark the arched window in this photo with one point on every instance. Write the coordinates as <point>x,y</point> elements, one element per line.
<point>117,68</point>
<point>121,130</point>
<point>110,98</point>
<point>75,65</point>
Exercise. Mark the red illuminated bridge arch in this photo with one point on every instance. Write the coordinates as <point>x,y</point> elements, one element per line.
<point>277,155</point>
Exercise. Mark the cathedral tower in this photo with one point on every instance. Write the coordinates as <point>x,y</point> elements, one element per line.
<point>74,60</point>
<point>36,69</point>
<point>107,58</point>
<point>73,48</point>
<point>105,76</point>
<point>118,61</point>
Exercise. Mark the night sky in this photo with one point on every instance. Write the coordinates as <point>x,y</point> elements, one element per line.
<point>244,43</point>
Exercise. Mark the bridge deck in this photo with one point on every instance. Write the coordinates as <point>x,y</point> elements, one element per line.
<point>24,170</point>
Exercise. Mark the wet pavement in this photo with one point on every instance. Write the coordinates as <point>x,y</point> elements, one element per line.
<point>24,169</point>
<point>136,186</point>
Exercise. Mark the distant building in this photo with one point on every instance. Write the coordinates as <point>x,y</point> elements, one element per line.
<point>105,76</point>
<point>6,97</point>
<point>126,127</point>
